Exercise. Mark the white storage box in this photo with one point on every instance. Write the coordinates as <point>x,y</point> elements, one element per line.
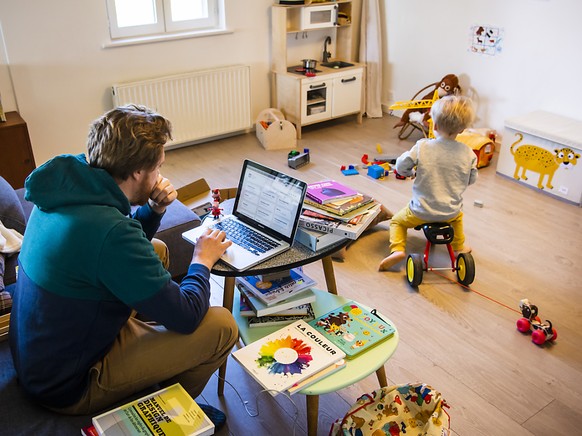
<point>543,150</point>
<point>274,131</point>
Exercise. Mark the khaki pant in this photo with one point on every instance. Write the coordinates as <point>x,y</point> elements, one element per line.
<point>405,220</point>
<point>145,354</point>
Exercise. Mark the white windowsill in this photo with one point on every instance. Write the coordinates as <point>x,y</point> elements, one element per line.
<point>122,42</point>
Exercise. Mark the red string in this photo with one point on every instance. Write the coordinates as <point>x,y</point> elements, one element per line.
<point>478,293</point>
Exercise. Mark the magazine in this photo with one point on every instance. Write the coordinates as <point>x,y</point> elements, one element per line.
<point>353,328</point>
<point>295,305</point>
<point>350,231</point>
<point>329,191</point>
<point>341,207</point>
<point>168,411</point>
<point>287,356</point>
<point>281,320</point>
<point>272,292</point>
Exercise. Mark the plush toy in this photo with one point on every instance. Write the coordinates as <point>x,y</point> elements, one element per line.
<point>447,86</point>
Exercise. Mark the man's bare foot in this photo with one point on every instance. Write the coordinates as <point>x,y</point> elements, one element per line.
<point>390,261</point>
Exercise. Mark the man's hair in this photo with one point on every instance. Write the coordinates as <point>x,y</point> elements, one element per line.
<point>127,139</point>
<point>452,114</point>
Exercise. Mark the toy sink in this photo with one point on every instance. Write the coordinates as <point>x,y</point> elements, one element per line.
<point>337,64</point>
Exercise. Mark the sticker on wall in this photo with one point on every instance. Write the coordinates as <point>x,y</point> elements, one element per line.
<point>486,40</point>
<point>539,160</point>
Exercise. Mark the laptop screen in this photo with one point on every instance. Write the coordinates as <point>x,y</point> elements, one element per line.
<point>269,200</point>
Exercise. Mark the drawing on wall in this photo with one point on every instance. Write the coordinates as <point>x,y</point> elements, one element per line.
<point>542,161</point>
<point>486,40</point>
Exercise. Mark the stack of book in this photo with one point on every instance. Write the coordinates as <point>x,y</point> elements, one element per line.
<point>335,209</point>
<point>268,301</point>
<point>300,354</point>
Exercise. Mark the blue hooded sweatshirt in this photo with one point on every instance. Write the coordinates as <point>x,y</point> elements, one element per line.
<point>84,265</point>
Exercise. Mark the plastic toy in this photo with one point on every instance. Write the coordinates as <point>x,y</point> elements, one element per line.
<point>215,210</point>
<point>216,195</point>
<point>296,159</point>
<point>439,233</point>
<point>377,171</point>
<point>349,171</point>
<point>541,331</point>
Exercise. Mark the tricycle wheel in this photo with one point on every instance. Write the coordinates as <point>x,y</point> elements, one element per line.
<point>465,269</point>
<point>414,269</point>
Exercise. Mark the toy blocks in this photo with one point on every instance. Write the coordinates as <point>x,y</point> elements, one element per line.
<point>296,159</point>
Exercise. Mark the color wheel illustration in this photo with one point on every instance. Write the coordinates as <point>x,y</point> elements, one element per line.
<point>285,356</point>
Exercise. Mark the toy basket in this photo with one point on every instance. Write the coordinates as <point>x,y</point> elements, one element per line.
<point>274,132</point>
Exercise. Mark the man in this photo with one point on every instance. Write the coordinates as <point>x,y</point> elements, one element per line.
<point>85,265</point>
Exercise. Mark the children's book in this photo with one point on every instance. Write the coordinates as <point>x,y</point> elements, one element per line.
<point>341,207</point>
<point>329,191</point>
<point>170,411</point>
<point>295,305</point>
<point>316,377</point>
<point>350,231</point>
<point>353,328</point>
<point>245,308</point>
<point>281,320</point>
<point>275,291</point>
<point>288,356</point>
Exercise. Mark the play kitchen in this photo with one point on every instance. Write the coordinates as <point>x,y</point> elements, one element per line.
<point>316,88</point>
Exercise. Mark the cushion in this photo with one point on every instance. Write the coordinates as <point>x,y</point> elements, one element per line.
<point>11,212</point>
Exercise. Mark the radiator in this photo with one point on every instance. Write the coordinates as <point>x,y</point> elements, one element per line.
<point>201,105</point>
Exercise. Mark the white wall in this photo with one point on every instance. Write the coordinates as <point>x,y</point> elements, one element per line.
<point>62,75</point>
<point>540,66</point>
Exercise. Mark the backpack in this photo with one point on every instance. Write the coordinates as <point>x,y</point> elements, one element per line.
<point>409,409</point>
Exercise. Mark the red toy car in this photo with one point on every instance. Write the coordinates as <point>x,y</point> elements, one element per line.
<point>541,331</point>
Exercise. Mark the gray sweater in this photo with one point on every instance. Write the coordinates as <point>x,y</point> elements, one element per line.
<point>444,169</point>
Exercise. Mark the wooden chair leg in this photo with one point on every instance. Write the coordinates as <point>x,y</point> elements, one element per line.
<point>381,374</point>
<point>312,414</point>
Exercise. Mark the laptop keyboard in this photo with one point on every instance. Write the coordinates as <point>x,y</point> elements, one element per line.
<point>245,237</point>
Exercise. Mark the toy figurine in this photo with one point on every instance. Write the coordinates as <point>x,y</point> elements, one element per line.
<point>216,195</point>
<point>541,331</point>
<point>216,210</point>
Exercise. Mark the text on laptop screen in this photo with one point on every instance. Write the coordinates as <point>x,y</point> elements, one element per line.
<point>270,198</point>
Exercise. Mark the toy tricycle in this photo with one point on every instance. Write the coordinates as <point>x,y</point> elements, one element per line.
<point>439,233</point>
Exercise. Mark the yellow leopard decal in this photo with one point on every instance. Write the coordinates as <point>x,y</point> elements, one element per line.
<point>539,160</point>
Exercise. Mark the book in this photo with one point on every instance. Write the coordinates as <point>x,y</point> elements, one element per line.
<point>281,320</point>
<point>317,376</point>
<point>276,291</point>
<point>315,240</point>
<point>329,191</point>
<point>245,308</point>
<point>353,328</point>
<point>287,356</point>
<point>341,207</point>
<point>168,411</point>
<point>89,431</point>
<point>295,305</point>
<point>339,228</point>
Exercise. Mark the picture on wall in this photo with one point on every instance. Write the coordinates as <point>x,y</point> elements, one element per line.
<point>486,40</point>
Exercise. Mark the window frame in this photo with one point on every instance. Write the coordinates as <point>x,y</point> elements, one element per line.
<point>165,27</point>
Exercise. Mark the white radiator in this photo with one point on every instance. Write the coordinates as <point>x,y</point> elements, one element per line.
<point>200,104</point>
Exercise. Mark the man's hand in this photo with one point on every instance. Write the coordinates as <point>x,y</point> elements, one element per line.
<point>209,247</point>
<point>162,195</point>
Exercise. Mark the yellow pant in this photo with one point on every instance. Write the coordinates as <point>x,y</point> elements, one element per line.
<point>405,219</point>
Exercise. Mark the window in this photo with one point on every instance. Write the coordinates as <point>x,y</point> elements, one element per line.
<point>133,18</point>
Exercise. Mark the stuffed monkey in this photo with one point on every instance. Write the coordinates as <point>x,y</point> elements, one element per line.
<point>447,86</point>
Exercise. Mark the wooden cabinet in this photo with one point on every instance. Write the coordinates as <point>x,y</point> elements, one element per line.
<point>16,158</point>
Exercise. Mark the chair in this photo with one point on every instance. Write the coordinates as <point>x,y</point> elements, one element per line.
<point>356,369</point>
<point>410,126</point>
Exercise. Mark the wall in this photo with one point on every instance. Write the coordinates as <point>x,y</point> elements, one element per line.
<point>540,65</point>
<point>62,74</point>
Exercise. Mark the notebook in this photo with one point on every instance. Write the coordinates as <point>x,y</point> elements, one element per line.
<point>267,203</point>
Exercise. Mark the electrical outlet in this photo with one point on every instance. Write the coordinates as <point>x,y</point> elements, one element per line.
<point>563,190</point>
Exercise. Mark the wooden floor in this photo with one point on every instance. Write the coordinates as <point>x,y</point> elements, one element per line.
<point>462,342</point>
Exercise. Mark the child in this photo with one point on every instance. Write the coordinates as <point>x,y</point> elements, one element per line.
<point>444,169</point>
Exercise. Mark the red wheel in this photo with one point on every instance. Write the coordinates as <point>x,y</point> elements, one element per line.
<point>538,337</point>
<point>523,325</point>
<point>555,336</point>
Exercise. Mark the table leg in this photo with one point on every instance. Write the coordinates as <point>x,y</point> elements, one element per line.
<point>329,275</point>
<point>381,374</point>
<point>227,299</point>
<point>312,414</point>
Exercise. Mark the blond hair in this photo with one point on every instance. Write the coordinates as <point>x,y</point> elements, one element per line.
<point>452,114</point>
<point>127,139</point>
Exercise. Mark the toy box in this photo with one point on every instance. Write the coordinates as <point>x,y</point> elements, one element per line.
<point>543,150</point>
<point>274,132</point>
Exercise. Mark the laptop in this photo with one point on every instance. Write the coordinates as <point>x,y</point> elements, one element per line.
<point>264,218</point>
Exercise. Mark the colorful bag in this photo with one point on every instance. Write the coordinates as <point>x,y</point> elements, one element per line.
<point>410,409</point>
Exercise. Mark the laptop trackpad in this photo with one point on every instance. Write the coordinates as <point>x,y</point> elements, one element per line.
<point>238,257</point>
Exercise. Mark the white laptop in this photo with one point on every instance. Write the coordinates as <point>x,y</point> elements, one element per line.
<point>267,202</point>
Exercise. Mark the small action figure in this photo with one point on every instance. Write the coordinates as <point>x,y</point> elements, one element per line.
<point>215,210</point>
<point>216,195</point>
